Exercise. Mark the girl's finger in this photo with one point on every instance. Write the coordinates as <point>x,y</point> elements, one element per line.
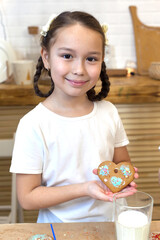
<point>133,184</point>
<point>127,192</point>
<point>136,169</point>
<point>136,175</point>
<point>95,171</point>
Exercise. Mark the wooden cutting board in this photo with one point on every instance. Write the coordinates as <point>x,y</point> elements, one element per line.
<point>147,42</point>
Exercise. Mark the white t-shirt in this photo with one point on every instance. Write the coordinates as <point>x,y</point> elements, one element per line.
<point>65,150</point>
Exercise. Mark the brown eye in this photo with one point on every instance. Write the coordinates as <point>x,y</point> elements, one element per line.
<point>91,59</point>
<point>67,56</point>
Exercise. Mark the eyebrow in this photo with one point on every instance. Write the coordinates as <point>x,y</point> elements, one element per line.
<point>71,50</point>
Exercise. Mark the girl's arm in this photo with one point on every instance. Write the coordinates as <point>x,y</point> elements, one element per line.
<point>121,155</point>
<point>32,195</point>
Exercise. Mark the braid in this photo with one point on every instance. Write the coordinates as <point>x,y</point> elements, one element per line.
<point>105,86</point>
<point>39,68</point>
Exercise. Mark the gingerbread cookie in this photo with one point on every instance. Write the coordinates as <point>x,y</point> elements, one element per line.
<point>116,176</point>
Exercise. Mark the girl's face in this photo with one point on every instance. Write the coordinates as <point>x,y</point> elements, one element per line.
<point>75,60</point>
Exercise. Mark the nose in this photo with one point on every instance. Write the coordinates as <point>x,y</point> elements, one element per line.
<point>78,68</point>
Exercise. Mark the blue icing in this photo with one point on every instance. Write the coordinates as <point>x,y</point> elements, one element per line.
<point>38,236</point>
<point>104,171</point>
<point>116,181</point>
<point>125,170</point>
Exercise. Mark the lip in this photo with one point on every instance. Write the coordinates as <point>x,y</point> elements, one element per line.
<point>77,82</point>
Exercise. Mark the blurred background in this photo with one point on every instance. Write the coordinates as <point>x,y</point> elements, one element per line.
<point>17,15</point>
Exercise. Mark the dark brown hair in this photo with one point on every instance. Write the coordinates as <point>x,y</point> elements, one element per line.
<point>67,19</point>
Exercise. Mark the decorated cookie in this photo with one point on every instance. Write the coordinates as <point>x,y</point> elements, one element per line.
<point>40,237</point>
<point>116,176</point>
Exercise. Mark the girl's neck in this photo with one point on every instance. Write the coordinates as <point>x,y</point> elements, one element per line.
<point>69,107</point>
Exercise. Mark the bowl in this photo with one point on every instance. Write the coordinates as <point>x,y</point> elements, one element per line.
<point>154,70</point>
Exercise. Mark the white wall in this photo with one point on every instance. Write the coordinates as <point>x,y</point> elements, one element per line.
<point>19,14</point>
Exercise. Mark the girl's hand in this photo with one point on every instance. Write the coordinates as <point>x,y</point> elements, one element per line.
<point>98,190</point>
<point>129,190</point>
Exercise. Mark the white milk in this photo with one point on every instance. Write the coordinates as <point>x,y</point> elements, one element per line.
<point>132,225</point>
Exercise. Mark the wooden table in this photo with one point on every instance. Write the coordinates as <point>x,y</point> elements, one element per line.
<point>135,89</point>
<point>64,231</point>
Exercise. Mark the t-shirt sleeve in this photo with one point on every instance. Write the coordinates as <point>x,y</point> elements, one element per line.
<point>28,150</point>
<point>121,138</point>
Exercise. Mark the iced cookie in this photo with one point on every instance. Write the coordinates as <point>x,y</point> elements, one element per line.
<point>40,237</point>
<point>116,176</point>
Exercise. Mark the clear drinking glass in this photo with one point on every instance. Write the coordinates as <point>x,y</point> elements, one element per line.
<point>132,216</point>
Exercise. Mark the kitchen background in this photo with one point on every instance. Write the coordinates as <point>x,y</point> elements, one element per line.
<point>138,105</point>
<point>19,14</point>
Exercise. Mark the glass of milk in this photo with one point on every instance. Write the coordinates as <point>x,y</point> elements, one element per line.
<point>132,216</point>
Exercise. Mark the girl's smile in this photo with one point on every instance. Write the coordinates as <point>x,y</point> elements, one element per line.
<point>76,83</point>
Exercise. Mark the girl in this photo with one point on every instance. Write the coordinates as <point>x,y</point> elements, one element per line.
<point>61,142</point>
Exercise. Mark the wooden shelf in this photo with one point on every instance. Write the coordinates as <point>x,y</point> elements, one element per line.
<point>135,89</point>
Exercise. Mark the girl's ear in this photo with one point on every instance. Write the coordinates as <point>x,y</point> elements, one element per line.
<point>45,58</point>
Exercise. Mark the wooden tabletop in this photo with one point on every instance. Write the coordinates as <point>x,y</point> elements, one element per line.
<point>64,231</point>
<point>135,89</point>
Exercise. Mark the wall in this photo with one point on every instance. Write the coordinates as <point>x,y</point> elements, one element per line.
<point>19,14</point>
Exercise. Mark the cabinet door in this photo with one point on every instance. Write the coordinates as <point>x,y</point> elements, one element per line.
<point>142,125</point>
<point>9,118</point>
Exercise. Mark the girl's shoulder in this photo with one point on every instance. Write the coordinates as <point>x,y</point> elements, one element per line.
<point>34,116</point>
<point>106,105</point>
<point>107,110</point>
